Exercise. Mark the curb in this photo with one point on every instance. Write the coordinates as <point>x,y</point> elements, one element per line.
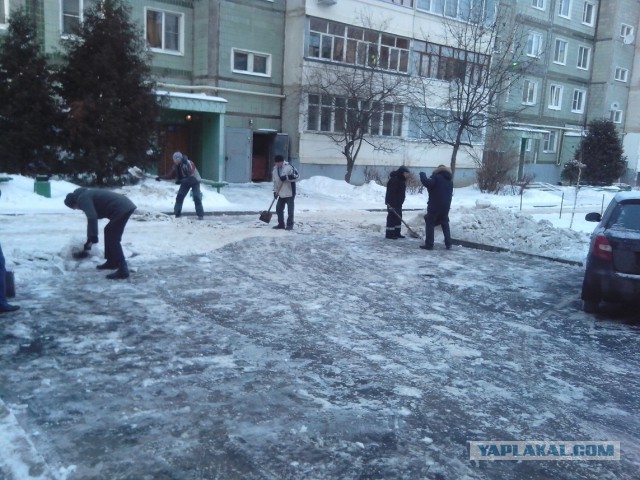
<point>491,248</point>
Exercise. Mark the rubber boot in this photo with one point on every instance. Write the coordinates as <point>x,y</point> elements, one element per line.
<point>122,272</point>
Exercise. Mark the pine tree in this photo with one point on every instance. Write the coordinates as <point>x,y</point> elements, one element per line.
<point>107,85</point>
<point>602,154</point>
<point>28,103</point>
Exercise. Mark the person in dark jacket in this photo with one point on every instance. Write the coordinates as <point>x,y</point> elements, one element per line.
<point>187,176</point>
<point>394,198</point>
<point>440,188</point>
<point>96,204</point>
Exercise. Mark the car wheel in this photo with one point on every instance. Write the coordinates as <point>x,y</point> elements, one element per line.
<point>589,306</point>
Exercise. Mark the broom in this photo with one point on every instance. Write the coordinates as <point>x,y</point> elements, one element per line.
<point>412,234</point>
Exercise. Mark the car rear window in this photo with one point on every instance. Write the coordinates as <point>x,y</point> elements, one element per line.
<point>627,216</point>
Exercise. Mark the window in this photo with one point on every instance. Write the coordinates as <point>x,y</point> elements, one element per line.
<point>584,55</point>
<point>473,11</point>
<point>539,4</point>
<point>560,52</point>
<point>616,116</point>
<point>529,92</point>
<point>555,97</point>
<point>626,30</point>
<point>336,114</point>
<point>449,64</point>
<point>534,44</point>
<point>564,8</point>
<point>549,145</point>
<point>251,63</point>
<point>164,31</point>
<point>588,13</point>
<point>577,105</point>
<point>73,13</point>
<point>404,3</point>
<point>622,74</point>
<point>341,43</point>
<point>440,124</point>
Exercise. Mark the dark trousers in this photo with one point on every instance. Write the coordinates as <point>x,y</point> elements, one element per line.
<point>431,220</point>
<point>112,238</point>
<point>189,183</point>
<point>393,223</point>
<point>280,210</point>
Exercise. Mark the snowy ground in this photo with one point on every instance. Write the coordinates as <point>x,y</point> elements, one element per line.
<point>237,351</point>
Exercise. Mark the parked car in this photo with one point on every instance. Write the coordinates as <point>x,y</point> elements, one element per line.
<point>612,273</point>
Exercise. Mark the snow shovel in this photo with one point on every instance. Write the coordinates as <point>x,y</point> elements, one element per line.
<point>265,215</point>
<point>412,234</point>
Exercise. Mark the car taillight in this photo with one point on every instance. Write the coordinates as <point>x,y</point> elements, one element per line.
<point>602,248</point>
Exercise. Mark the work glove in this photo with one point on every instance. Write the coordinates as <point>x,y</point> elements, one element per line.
<point>275,194</point>
<point>283,177</point>
<point>423,175</point>
<point>158,179</point>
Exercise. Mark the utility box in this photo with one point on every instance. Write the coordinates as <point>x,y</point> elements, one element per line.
<point>42,186</point>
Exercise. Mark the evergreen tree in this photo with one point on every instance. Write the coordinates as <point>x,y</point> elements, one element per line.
<point>28,106</point>
<point>107,85</point>
<point>601,153</point>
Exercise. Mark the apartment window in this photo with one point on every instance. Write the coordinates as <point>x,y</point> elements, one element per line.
<point>326,113</point>
<point>341,43</point>
<point>447,63</point>
<point>560,52</point>
<point>555,97</point>
<point>577,104</point>
<point>588,13</point>
<point>616,116</point>
<point>564,8</point>
<point>622,74</point>
<point>539,4</point>
<point>549,144</point>
<point>251,62</point>
<point>164,31</point>
<point>72,13</point>
<point>584,55</point>
<point>534,44</point>
<point>404,3</point>
<point>467,10</point>
<point>529,92</point>
<point>626,30</point>
<point>440,124</point>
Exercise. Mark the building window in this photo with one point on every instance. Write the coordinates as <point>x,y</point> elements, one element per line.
<point>549,145</point>
<point>577,105</point>
<point>564,8</point>
<point>616,116</point>
<point>164,31</point>
<point>555,97</point>
<point>336,114</point>
<point>560,52</point>
<point>529,92</point>
<point>467,10</point>
<point>448,63</point>
<point>626,31</point>
<point>73,13</point>
<point>534,44</point>
<point>622,74</point>
<point>341,43</point>
<point>404,3</point>
<point>588,13</point>
<point>539,4</point>
<point>584,56</point>
<point>422,126</point>
<point>251,62</point>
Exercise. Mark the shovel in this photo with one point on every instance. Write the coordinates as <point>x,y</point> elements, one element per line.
<point>412,234</point>
<point>265,215</point>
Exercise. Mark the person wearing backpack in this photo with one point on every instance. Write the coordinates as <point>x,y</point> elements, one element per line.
<point>284,176</point>
<point>187,176</point>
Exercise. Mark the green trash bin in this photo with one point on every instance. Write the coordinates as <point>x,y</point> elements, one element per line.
<point>42,186</point>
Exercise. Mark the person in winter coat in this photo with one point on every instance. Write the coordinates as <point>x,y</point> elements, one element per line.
<point>284,189</point>
<point>394,198</point>
<point>187,176</point>
<point>96,204</point>
<point>440,188</point>
<point>5,307</point>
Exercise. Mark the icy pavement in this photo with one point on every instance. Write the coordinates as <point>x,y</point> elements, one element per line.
<point>314,354</point>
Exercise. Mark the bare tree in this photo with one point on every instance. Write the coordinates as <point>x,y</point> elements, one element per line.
<point>463,78</point>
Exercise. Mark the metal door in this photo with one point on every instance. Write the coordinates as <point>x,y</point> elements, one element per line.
<point>237,156</point>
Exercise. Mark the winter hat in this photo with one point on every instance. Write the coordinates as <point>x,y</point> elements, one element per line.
<point>279,158</point>
<point>70,200</point>
<point>403,169</point>
<point>177,156</point>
